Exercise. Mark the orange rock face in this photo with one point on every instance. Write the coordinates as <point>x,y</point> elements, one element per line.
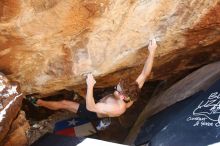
<point>46,45</point>
<point>10,104</point>
<point>17,135</point>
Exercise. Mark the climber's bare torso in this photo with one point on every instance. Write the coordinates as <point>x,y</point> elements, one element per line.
<point>117,106</point>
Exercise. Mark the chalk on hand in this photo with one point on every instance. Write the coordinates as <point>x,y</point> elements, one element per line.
<point>156,37</point>
<point>84,74</point>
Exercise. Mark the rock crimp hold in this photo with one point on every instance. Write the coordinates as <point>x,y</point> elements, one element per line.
<point>10,104</point>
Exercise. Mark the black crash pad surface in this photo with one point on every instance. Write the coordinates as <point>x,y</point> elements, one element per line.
<point>194,121</point>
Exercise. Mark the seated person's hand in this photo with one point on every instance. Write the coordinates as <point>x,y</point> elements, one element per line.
<point>90,80</point>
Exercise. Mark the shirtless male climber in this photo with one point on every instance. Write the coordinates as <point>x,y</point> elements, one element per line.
<point>112,105</point>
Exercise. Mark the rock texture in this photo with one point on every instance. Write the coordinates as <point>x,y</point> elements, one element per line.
<point>17,135</point>
<point>46,45</point>
<point>10,103</point>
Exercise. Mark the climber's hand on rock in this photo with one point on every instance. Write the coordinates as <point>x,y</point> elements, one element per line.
<point>152,46</point>
<point>90,80</point>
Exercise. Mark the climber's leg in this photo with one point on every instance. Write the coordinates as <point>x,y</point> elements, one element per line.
<point>57,105</point>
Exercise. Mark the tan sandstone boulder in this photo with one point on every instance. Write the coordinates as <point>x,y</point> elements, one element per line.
<point>17,135</point>
<point>10,104</point>
<point>46,45</point>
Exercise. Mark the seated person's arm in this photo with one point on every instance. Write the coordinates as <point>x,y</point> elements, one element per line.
<point>148,64</point>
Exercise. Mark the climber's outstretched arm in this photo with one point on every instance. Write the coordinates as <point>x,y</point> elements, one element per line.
<point>148,64</point>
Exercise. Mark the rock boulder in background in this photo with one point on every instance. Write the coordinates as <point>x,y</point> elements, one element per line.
<point>17,135</point>
<point>10,104</point>
<point>46,45</point>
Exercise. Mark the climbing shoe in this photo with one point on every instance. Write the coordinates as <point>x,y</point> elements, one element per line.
<point>32,100</point>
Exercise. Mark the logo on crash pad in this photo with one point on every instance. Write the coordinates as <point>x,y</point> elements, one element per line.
<point>207,113</point>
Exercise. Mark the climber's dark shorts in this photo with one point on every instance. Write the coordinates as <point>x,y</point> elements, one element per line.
<point>85,114</point>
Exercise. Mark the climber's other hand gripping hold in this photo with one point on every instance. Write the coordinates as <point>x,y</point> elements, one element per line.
<point>152,46</point>
<point>90,81</point>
